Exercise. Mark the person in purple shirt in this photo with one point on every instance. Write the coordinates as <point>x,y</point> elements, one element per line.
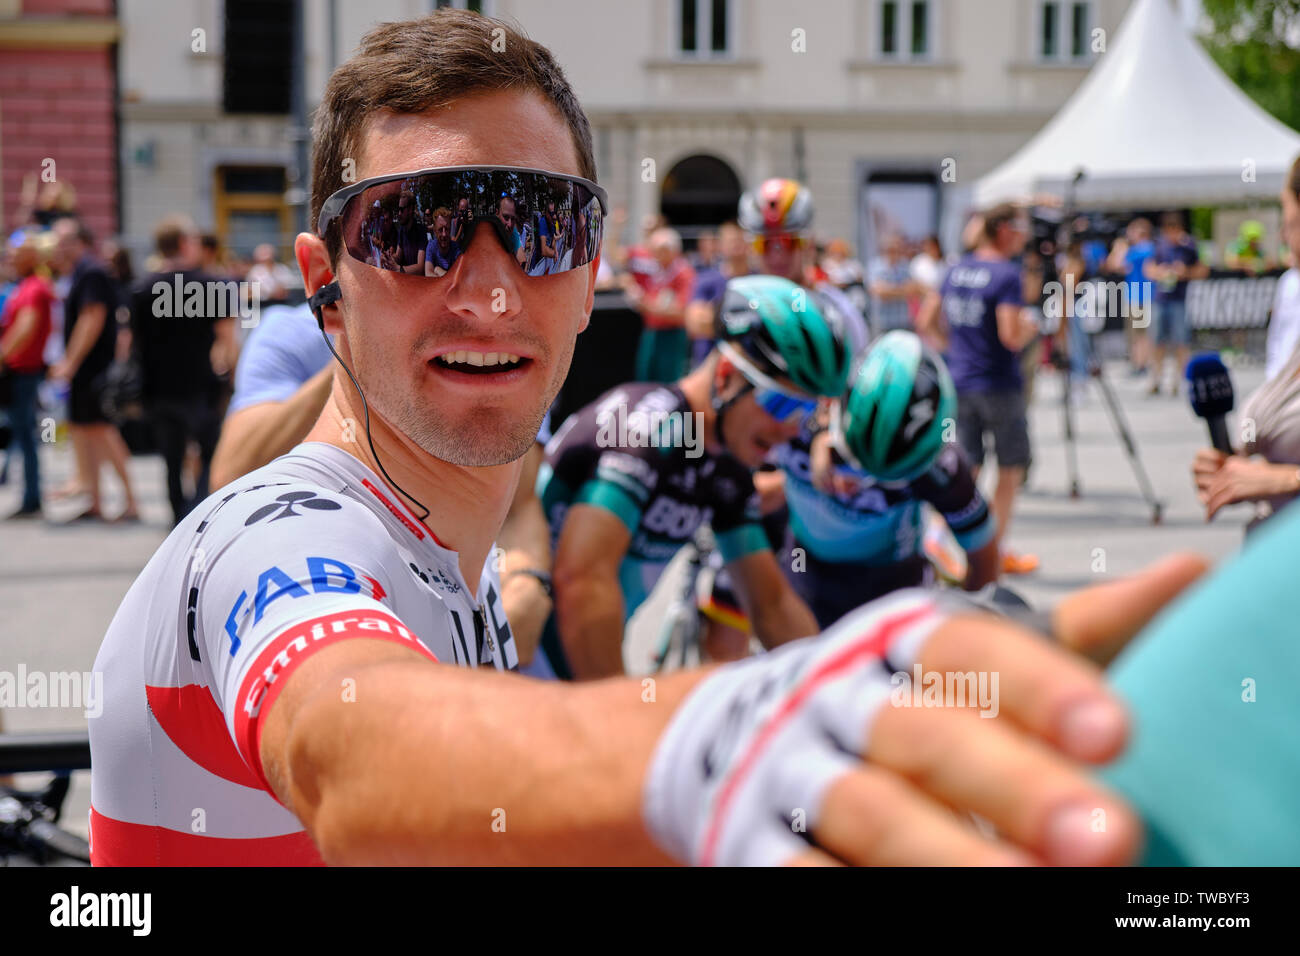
<point>711,284</point>
<point>441,252</point>
<point>978,315</point>
<point>1174,261</point>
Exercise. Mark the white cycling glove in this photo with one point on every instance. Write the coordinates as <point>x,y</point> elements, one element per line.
<point>740,774</point>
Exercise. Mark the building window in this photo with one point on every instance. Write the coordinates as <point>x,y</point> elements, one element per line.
<point>704,28</point>
<point>1064,26</point>
<point>474,6</point>
<point>250,209</point>
<point>905,28</point>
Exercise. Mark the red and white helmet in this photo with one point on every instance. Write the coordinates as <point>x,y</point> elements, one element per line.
<point>778,205</point>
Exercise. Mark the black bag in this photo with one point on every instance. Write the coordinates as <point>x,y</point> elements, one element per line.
<point>121,391</point>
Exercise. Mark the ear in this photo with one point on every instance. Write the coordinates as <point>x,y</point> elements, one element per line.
<point>722,372</point>
<point>593,269</point>
<point>314,264</point>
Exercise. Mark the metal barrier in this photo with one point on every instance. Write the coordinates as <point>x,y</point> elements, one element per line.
<point>34,753</point>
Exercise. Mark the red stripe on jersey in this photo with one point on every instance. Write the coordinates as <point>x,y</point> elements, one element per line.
<point>873,644</point>
<point>283,655</point>
<point>191,718</point>
<point>114,843</point>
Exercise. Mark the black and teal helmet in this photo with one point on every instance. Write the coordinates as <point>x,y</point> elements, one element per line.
<point>786,331</point>
<point>891,423</point>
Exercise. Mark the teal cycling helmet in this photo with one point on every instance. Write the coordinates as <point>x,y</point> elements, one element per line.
<point>786,331</point>
<point>892,421</point>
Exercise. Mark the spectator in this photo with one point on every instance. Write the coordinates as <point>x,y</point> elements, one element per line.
<point>90,336</point>
<point>1174,261</point>
<point>1128,257</point>
<point>1246,252</point>
<point>24,328</point>
<point>211,258</point>
<point>274,279</point>
<point>545,234</point>
<point>405,243</point>
<point>1077,348</point>
<point>180,357</point>
<point>441,252</point>
<point>979,312</point>
<point>660,288</point>
<point>892,287</point>
<point>711,284</point>
<point>706,252</point>
<point>1271,480</point>
<point>841,269</point>
<point>928,266</point>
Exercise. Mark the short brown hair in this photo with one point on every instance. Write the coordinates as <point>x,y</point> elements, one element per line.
<point>429,62</point>
<point>996,217</point>
<point>1293,179</point>
<point>169,232</point>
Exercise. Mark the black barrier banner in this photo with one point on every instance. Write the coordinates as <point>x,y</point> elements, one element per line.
<point>1230,303</point>
<point>1219,302</point>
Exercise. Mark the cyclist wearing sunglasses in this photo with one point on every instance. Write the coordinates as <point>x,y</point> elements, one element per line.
<point>858,526</point>
<point>620,512</point>
<point>778,218</point>
<point>296,658</point>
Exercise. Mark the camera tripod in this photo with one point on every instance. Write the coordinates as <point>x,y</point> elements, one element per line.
<point>1118,424</point>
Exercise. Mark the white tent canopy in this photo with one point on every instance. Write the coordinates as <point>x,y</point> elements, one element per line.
<point>1155,124</point>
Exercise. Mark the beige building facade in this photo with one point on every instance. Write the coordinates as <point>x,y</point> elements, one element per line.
<point>887,109</point>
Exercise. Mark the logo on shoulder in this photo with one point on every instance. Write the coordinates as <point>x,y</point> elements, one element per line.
<point>285,506</point>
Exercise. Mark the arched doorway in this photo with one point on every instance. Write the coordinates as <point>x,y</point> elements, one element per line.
<point>699,192</point>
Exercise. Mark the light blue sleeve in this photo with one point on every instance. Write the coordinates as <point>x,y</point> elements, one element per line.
<point>284,351</point>
<point>1213,765</point>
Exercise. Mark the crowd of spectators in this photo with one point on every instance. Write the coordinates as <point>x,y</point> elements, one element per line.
<point>86,341</point>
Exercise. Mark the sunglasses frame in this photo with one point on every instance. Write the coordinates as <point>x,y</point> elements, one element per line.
<point>757,380</point>
<point>794,241</point>
<point>332,208</point>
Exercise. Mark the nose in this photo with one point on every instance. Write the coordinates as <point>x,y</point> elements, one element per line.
<point>484,282</point>
<point>787,429</point>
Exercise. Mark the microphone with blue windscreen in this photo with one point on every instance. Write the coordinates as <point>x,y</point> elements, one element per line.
<point>1209,387</point>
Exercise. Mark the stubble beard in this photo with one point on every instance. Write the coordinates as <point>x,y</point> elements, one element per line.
<point>476,437</point>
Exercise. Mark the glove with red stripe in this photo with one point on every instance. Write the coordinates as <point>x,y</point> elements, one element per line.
<point>740,773</point>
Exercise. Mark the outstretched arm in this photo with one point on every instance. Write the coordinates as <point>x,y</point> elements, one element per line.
<point>589,603</point>
<point>563,777</point>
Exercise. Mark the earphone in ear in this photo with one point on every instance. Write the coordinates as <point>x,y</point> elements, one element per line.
<point>325,295</point>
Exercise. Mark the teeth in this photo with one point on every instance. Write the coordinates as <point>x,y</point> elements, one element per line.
<point>464,357</point>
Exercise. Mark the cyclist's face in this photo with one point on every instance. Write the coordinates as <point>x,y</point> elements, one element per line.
<point>784,260</point>
<point>749,431</point>
<point>395,327</point>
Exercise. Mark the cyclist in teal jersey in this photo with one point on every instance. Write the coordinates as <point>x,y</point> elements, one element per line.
<point>630,478</point>
<point>859,535</point>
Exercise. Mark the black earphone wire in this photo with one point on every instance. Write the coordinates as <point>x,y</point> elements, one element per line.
<point>317,302</point>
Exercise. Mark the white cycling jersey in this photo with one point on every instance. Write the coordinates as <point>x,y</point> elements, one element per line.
<point>311,549</point>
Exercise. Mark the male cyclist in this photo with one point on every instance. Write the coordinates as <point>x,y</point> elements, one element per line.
<point>311,668</point>
<point>859,535</point>
<point>778,217</point>
<point>630,478</point>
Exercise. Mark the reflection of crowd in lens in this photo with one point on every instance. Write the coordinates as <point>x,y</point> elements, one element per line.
<point>412,231</point>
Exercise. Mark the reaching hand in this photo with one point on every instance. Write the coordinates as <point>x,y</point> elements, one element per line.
<point>825,752</point>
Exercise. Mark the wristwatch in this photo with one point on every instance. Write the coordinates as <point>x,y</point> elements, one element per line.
<point>543,578</point>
